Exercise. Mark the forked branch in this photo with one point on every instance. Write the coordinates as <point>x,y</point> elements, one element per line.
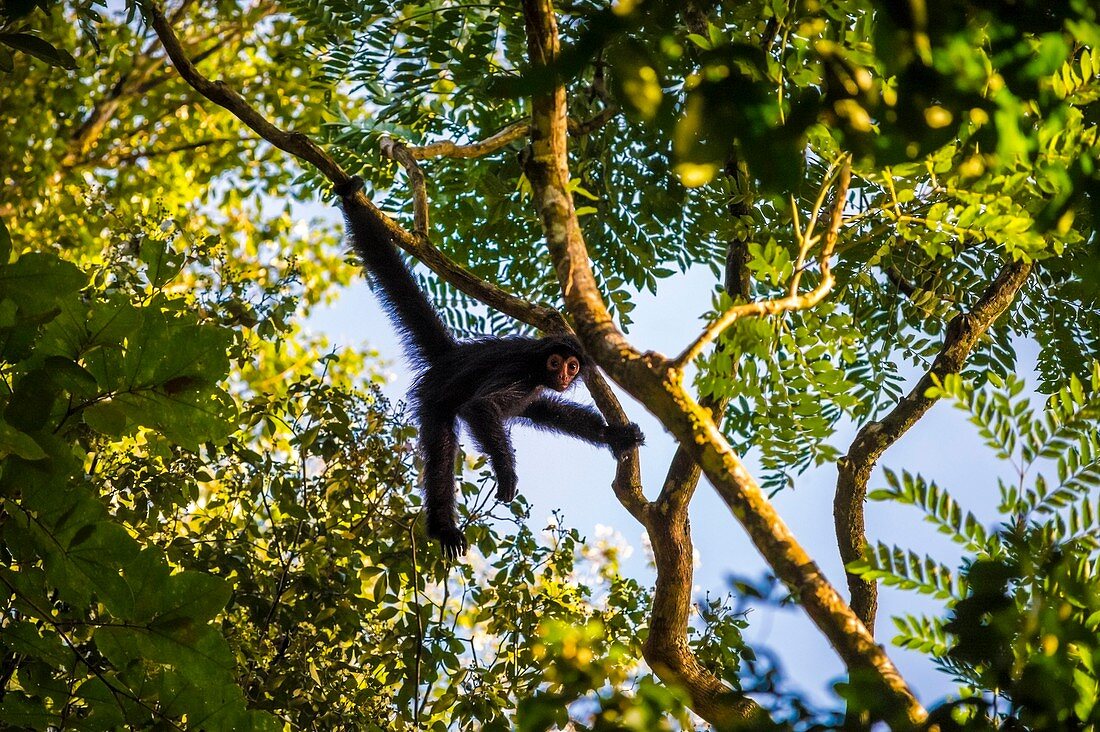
<point>854,469</point>
<point>647,378</point>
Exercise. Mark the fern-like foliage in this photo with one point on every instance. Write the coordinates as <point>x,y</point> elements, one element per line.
<point>1029,585</point>
<point>908,570</point>
<point>938,506</point>
<point>921,633</point>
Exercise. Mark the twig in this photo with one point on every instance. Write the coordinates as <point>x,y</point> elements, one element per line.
<point>400,153</point>
<point>119,158</point>
<point>783,304</point>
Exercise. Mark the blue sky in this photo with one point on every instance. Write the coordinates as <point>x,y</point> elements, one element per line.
<point>575,478</point>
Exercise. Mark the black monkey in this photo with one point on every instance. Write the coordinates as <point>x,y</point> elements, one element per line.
<point>486,382</point>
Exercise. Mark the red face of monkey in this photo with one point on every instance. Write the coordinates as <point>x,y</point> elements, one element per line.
<point>561,370</point>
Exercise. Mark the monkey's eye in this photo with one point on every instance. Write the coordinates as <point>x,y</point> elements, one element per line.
<point>554,363</point>
<point>572,366</point>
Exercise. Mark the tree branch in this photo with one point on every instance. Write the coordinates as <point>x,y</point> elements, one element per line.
<point>449,149</point>
<point>854,469</point>
<point>224,95</point>
<point>511,133</point>
<point>399,153</point>
<point>300,146</point>
<point>666,647</point>
<point>649,378</point>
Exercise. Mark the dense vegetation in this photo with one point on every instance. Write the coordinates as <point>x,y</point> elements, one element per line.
<point>208,517</point>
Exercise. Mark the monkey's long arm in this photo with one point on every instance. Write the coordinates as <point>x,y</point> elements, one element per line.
<point>487,427</point>
<point>425,336</point>
<point>585,423</point>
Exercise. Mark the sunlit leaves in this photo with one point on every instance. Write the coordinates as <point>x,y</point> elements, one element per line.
<point>74,567</point>
<point>580,659</point>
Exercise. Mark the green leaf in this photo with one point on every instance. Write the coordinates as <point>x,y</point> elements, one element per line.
<point>194,596</point>
<point>162,261</point>
<point>38,48</point>
<point>23,712</point>
<point>106,418</point>
<point>14,442</point>
<point>104,711</point>
<point>31,402</point>
<point>37,282</point>
<point>202,656</point>
<point>25,637</point>
<point>187,418</point>
<point>70,376</point>
<point>637,82</point>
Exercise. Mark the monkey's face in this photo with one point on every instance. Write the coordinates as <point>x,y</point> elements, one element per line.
<point>561,370</point>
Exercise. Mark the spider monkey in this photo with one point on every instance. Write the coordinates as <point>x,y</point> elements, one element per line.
<point>486,382</point>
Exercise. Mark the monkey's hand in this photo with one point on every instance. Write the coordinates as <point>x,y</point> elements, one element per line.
<point>452,542</point>
<point>506,486</point>
<point>622,438</point>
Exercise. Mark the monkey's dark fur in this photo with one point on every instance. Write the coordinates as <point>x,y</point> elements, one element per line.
<point>486,382</point>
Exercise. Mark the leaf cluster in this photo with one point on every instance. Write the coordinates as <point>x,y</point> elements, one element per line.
<point>1024,609</point>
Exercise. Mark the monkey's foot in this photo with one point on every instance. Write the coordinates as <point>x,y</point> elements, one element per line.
<point>452,542</point>
<point>507,488</point>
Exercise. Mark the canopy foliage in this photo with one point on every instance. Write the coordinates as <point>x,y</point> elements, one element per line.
<point>208,517</point>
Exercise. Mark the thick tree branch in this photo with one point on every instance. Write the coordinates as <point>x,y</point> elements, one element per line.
<point>666,647</point>
<point>649,378</point>
<point>854,469</point>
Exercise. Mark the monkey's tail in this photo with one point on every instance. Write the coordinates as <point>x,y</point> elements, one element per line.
<point>423,333</point>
